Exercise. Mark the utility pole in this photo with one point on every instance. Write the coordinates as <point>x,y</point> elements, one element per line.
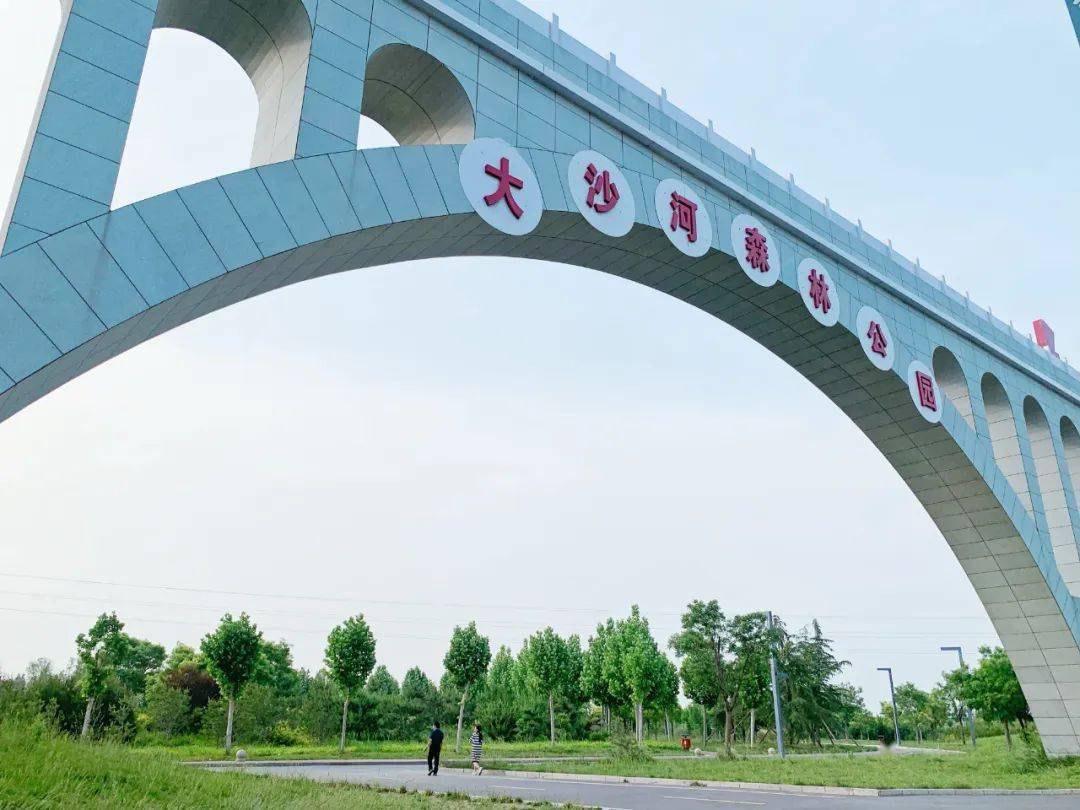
<point>778,711</point>
<point>967,711</point>
<point>895,717</point>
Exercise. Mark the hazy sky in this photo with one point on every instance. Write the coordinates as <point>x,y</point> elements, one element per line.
<point>527,443</point>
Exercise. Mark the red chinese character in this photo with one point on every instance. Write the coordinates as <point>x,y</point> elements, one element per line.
<point>757,251</point>
<point>926,390</point>
<point>684,215</point>
<point>600,183</point>
<point>819,292</point>
<point>506,182</point>
<point>878,343</point>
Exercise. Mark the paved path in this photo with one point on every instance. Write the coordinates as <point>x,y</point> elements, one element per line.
<point>617,796</point>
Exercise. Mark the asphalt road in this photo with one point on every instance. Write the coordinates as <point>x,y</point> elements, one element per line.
<point>616,796</point>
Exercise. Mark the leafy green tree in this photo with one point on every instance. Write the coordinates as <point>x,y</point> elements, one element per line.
<point>350,657</point>
<point>912,705</point>
<point>466,663</point>
<point>594,679</point>
<point>232,655</point>
<point>275,669</point>
<point>141,658</point>
<point>185,669</point>
<point>167,708</point>
<point>812,701</point>
<point>500,707</point>
<point>100,652</point>
<point>635,666</point>
<point>549,665</point>
<point>993,690</point>
<point>420,701</point>
<point>382,682</point>
<point>725,659</point>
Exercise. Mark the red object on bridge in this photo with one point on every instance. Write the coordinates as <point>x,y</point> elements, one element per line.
<point>685,743</point>
<point>1044,336</point>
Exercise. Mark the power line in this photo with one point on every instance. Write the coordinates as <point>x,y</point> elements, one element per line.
<point>304,597</point>
<point>194,624</point>
<point>463,605</point>
<point>660,629</point>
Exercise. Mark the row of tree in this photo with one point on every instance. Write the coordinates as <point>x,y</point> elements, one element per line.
<point>553,687</point>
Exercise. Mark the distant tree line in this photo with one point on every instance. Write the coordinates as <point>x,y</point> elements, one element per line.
<point>240,686</point>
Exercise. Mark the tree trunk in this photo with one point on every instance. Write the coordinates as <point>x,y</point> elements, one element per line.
<point>1008,736</point>
<point>551,716</point>
<point>460,717</point>
<point>639,721</point>
<point>229,724</point>
<point>86,718</point>
<point>667,726</point>
<point>704,728</point>
<point>344,720</point>
<point>727,728</point>
<point>753,726</point>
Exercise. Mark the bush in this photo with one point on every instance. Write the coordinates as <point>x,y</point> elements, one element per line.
<point>625,748</point>
<point>168,710</point>
<point>285,734</point>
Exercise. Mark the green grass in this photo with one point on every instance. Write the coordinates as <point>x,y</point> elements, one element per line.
<point>39,769</point>
<point>200,750</point>
<point>990,765</point>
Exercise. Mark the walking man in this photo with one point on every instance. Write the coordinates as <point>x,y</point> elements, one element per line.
<point>434,749</point>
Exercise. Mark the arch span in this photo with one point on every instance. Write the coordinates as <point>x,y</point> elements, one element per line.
<point>79,284</point>
<point>994,539</point>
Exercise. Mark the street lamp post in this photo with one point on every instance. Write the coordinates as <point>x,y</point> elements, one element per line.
<point>892,695</point>
<point>778,709</point>
<point>967,711</point>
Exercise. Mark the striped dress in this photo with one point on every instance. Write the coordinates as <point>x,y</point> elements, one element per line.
<point>476,746</point>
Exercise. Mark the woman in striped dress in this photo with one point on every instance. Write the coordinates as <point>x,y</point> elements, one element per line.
<point>476,747</point>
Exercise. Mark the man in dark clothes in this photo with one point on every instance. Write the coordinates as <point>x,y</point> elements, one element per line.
<point>434,749</point>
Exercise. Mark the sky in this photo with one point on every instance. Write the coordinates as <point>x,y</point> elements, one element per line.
<point>530,444</point>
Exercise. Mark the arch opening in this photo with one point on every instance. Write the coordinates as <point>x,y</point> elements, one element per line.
<point>373,135</point>
<point>1070,441</point>
<point>1004,438</point>
<point>179,133</point>
<point>416,98</point>
<point>1052,491</point>
<point>271,41</point>
<point>952,380</point>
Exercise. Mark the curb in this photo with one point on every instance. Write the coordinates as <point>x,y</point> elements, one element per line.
<point>813,790</point>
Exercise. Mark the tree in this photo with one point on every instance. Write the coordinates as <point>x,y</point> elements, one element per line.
<point>501,705</point>
<point>594,681</point>
<point>726,659</point>
<point>702,644</point>
<point>350,657</point>
<point>382,682</point>
<point>992,689</point>
<point>635,665</point>
<point>100,651</point>
<point>466,662</point>
<point>275,668</point>
<point>812,701</point>
<point>549,665</point>
<point>912,705</point>
<point>232,655</point>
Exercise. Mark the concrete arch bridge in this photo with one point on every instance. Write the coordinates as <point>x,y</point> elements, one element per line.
<point>517,140</point>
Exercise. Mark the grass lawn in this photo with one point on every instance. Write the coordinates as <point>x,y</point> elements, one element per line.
<point>990,765</point>
<point>41,770</point>
<point>187,749</point>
